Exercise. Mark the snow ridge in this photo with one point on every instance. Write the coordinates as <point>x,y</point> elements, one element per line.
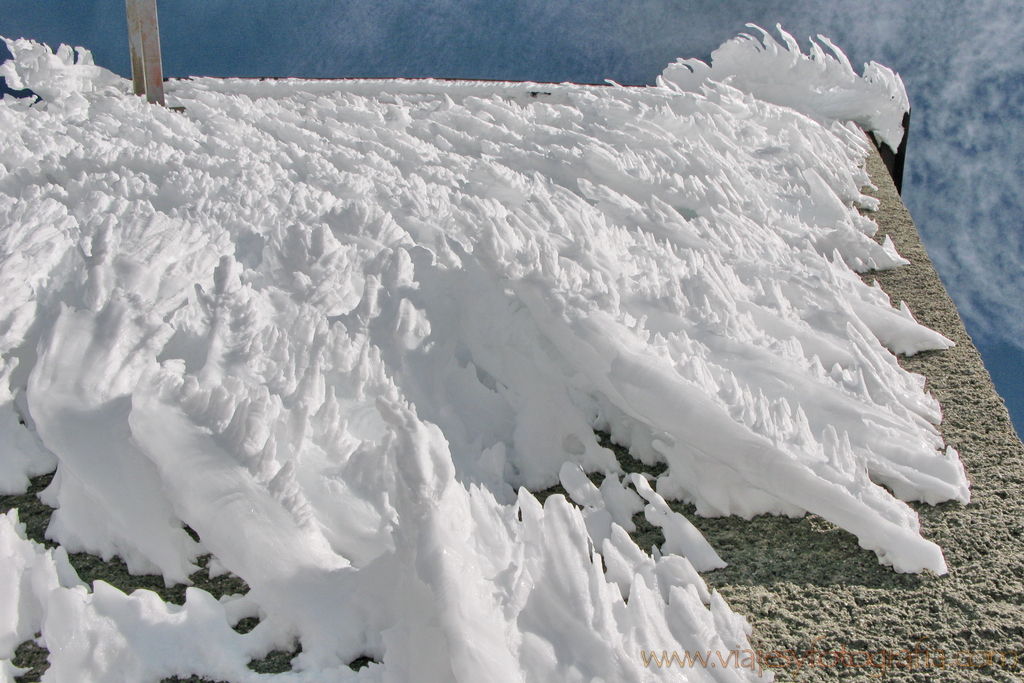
<point>821,85</point>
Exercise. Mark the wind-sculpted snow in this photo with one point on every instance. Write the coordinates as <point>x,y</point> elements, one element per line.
<point>820,85</point>
<point>340,328</point>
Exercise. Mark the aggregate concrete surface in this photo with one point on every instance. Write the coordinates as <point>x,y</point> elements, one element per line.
<point>805,583</point>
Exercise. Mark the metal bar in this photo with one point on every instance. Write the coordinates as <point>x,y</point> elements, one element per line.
<point>135,44</point>
<point>901,155</point>
<point>144,39</point>
<point>895,160</point>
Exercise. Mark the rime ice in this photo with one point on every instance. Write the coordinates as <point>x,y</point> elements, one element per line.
<point>339,329</point>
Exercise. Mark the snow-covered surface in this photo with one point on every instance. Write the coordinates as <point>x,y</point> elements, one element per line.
<point>334,327</point>
<point>821,85</point>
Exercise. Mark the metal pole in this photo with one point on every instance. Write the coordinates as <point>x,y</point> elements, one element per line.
<point>895,159</point>
<point>135,43</point>
<point>144,39</point>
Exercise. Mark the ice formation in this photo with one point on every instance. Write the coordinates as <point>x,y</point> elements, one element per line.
<point>822,86</point>
<point>340,328</point>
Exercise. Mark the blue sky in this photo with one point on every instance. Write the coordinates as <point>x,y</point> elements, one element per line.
<point>962,61</point>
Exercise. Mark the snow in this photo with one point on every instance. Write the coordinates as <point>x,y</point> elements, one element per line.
<point>28,575</point>
<point>821,85</point>
<point>341,330</point>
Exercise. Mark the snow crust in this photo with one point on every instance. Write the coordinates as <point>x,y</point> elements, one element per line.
<point>340,328</point>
